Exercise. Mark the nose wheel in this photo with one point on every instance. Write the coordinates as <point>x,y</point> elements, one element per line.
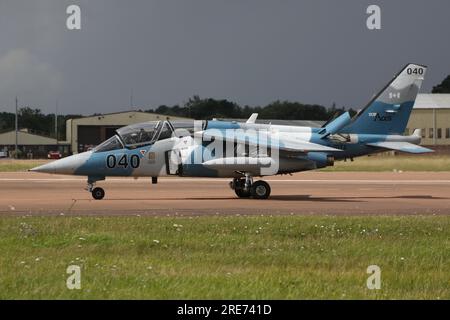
<point>98,193</point>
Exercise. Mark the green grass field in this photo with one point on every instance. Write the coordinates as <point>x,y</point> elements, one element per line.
<point>374,163</point>
<point>234,257</point>
<point>13,165</point>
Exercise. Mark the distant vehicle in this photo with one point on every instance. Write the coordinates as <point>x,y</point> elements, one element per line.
<point>3,154</point>
<point>54,155</point>
<point>160,148</point>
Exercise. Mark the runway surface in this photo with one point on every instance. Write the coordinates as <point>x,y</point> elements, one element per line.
<point>303,193</point>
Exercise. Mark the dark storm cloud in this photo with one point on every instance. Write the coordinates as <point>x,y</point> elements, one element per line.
<point>249,51</point>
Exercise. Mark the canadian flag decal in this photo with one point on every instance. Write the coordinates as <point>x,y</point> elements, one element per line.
<point>143,152</point>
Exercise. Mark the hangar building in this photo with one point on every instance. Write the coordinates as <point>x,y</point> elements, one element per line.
<point>431,113</point>
<point>35,145</point>
<point>85,133</point>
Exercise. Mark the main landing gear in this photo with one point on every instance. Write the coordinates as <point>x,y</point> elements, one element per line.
<point>97,192</point>
<point>246,188</point>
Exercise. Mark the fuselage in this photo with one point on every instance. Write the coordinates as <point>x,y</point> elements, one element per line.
<point>153,156</point>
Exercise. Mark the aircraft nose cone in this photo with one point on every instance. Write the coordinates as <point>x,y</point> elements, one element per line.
<point>63,166</point>
<point>45,168</point>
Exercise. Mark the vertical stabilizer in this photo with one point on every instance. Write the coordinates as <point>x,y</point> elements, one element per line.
<point>388,112</point>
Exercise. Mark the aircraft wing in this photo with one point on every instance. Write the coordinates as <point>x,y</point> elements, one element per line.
<point>400,146</point>
<point>263,139</point>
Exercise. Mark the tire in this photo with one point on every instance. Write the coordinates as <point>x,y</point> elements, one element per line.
<point>98,193</point>
<point>260,190</point>
<point>241,193</point>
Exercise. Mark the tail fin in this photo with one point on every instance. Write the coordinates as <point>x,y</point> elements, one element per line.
<point>388,112</point>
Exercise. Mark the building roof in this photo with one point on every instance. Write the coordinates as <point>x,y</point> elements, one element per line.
<point>432,101</point>
<point>24,138</point>
<point>125,115</point>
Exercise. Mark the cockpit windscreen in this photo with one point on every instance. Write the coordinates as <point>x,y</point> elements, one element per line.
<point>149,132</point>
<point>112,143</point>
<point>138,134</point>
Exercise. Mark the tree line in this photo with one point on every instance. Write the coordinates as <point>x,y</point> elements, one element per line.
<point>36,121</point>
<point>208,108</point>
<point>444,87</point>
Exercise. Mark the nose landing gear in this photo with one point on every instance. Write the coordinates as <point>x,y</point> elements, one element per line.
<point>97,192</point>
<point>246,188</point>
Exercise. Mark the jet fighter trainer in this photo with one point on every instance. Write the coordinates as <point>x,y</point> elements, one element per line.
<point>243,151</point>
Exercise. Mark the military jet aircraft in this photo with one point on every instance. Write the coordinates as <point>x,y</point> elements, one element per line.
<point>242,151</point>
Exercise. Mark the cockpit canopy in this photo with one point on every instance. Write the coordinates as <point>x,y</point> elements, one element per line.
<point>112,143</point>
<point>147,133</point>
<point>140,133</point>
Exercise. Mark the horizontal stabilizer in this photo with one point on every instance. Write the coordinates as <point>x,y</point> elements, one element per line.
<point>400,146</point>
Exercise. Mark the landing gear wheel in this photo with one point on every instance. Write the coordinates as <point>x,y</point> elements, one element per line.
<point>238,185</point>
<point>241,193</point>
<point>260,190</point>
<point>98,193</point>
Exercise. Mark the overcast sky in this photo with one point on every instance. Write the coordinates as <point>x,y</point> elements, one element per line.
<point>249,51</point>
